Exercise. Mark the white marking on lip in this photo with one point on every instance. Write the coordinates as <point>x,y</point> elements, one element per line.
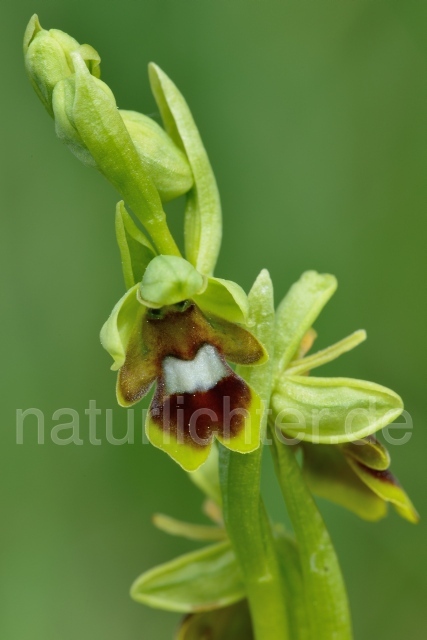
<point>189,376</point>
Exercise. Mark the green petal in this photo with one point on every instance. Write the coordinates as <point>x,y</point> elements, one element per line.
<point>329,476</point>
<point>297,312</point>
<point>225,299</point>
<point>173,527</point>
<point>333,410</point>
<point>136,250</point>
<point>116,332</point>
<point>369,451</point>
<point>303,365</point>
<point>203,225</point>
<point>228,623</point>
<point>168,280</point>
<point>387,487</point>
<point>203,580</point>
<point>166,164</point>
<point>189,456</point>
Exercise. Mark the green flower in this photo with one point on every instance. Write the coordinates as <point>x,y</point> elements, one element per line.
<point>356,476</point>
<point>333,418</point>
<point>177,329</point>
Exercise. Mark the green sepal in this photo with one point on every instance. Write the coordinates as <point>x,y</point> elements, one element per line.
<point>168,280</point>
<point>297,312</point>
<point>32,29</point>
<point>229,623</point>
<point>203,226</point>
<point>224,298</point>
<point>304,365</point>
<point>387,487</point>
<point>117,330</point>
<point>330,477</point>
<point>369,451</point>
<point>206,478</point>
<point>203,580</point>
<point>136,250</point>
<point>333,410</point>
<point>166,164</point>
<point>188,530</point>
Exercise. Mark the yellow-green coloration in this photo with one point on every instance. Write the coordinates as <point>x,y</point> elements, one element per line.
<point>177,328</point>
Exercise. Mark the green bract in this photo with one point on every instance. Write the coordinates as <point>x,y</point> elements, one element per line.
<point>203,226</point>
<point>198,581</point>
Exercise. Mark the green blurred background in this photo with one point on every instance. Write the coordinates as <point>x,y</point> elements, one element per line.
<point>314,116</point>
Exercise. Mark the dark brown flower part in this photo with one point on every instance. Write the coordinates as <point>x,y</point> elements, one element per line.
<point>194,417</point>
<point>179,331</point>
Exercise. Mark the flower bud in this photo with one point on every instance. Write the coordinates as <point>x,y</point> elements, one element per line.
<point>66,130</point>
<point>48,59</point>
<point>166,164</point>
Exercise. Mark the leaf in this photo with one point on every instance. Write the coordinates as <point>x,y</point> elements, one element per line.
<point>229,623</point>
<point>329,476</point>
<point>297,312</point>
<point>199,581</point>
<point>333,410</point>
<point>136,250</point>
<point>203,226</point>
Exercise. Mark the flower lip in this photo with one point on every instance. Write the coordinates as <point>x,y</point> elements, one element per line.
<point>190,376</point>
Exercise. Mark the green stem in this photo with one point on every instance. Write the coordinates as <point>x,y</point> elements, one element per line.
<point>250,533</point>
<point>326,598</point>
<point>161,236</point>
<point>245,516</point>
